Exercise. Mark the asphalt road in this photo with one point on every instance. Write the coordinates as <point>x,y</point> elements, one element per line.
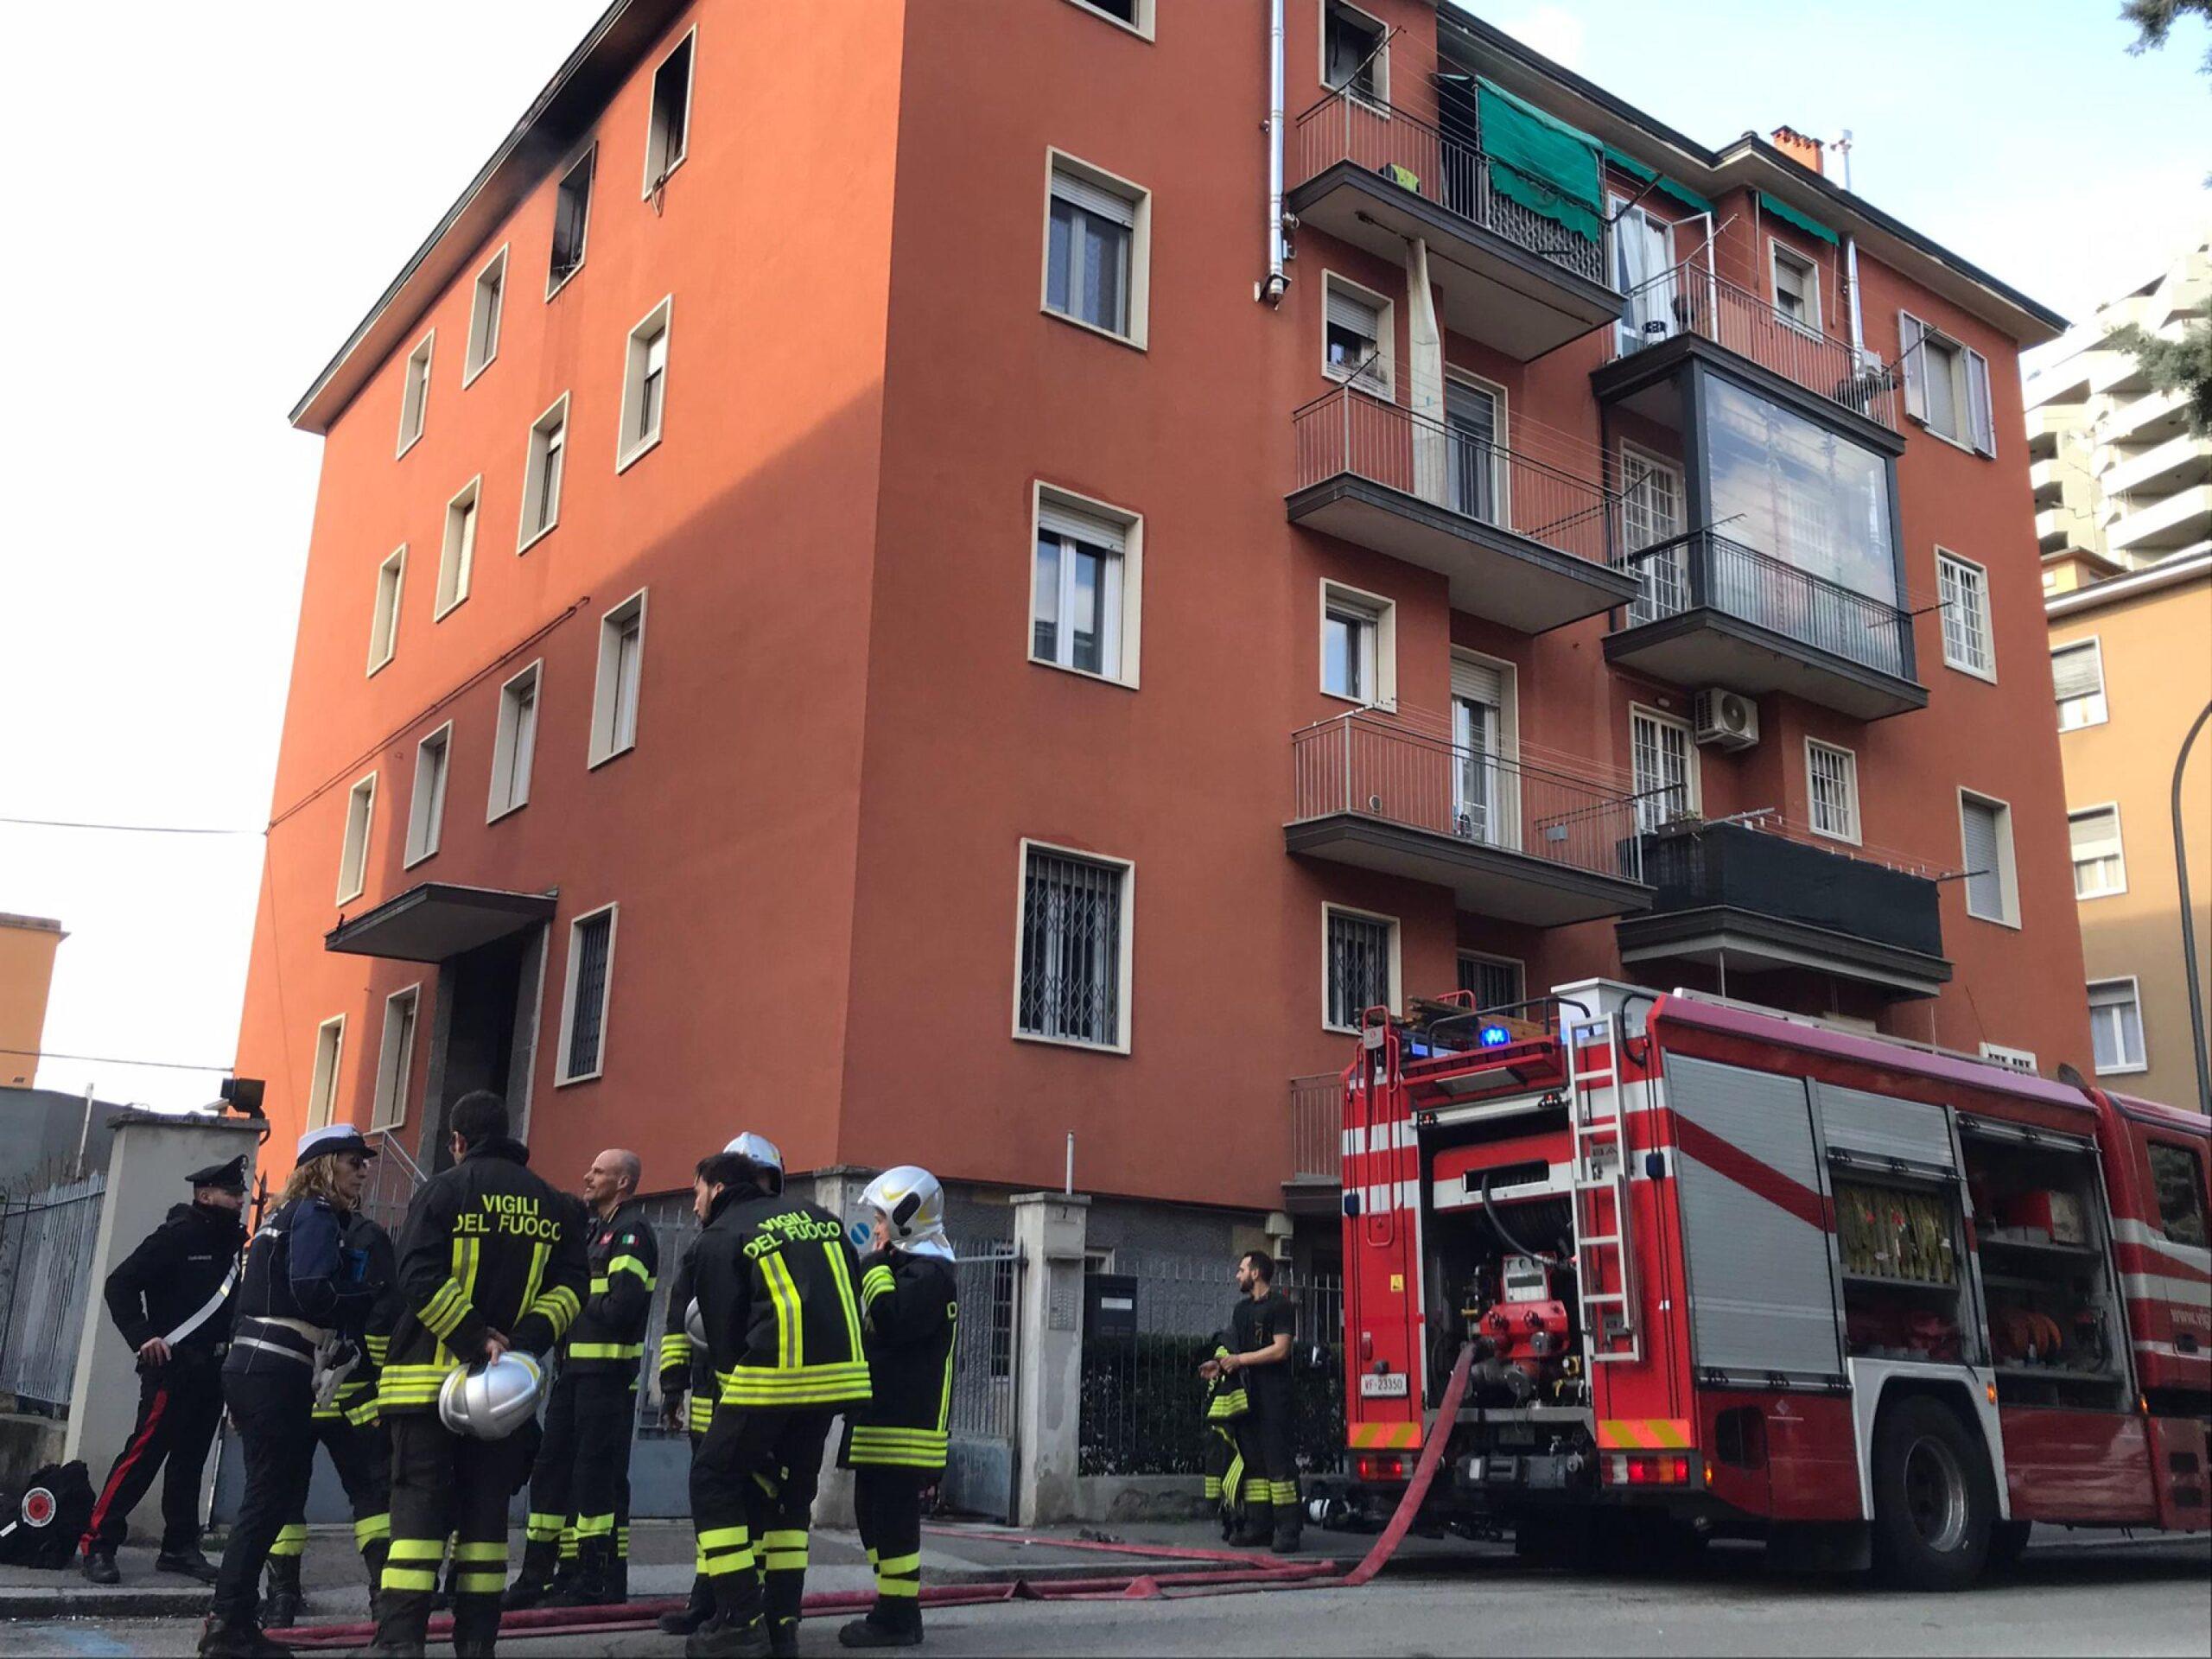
<point>2152,1598</point>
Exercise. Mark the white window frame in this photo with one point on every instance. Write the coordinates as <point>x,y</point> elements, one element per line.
<point>1693,780</point>
<point>2099,702</point>
<point>415,393</point>
<point>531,679</point>
<point>1505,783</point>
<point>1983,623</point>
<point>457,547</point>
<point>636,351</point>
<point>1386,344</point>
<point>323,1075</point>
<point>1337,595</point>
<point>2119,851</point>
<point>2142,1030</point>
<point>426,801</point>
<point>1853,830</point>
<point>1779,253</point>
<point>607,738</point>
<point>1973,393</point>
<point>1382,64</point>
<point>562,1077</point>
<point>1675,563</point>
<point>384,616</point>
<point>1396,1000</point>
<point>1141,12</point>
<point>1518,964</point>
<point>1125,947</point>
<point>1131,525</point>
<point>486,317</point>
<point>1059,161</point>
<point>353,843</point>
<point>655,138</point>
<point>587,160</point>
<point>402,1016</point>
<point>2007,867</point>
<point>2016,1059</point>
<point>535,450</point>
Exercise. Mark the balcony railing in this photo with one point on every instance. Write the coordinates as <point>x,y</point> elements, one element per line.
<point>1735,865</point>
<point>1368,764</point>
<point>1704,569</point>
<point>1348,431</point>
<point>1449,171</point>
<point>1689,299</point>
<point>1317,1125</point>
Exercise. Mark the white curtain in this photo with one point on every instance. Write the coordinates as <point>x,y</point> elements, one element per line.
<point>1425,378</point>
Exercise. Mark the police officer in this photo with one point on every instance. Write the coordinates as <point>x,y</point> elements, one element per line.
<point>580,1488</point>
<point>1261,1328</point>
<point>303,1302</point>
<point>896,1443</point>
<point>776,1281</point>
<point>491,1259</point>
<point>171,1299</point>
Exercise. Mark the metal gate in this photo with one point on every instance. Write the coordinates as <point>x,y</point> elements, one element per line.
<point>981,1464</point>
<point>45,1289</point>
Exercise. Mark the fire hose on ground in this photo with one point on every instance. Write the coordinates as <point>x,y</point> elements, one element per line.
<point>1236,1574</point>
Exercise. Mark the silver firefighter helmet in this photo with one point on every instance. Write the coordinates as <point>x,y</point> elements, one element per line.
<point>490,1403</point>
<point>694,1326</point>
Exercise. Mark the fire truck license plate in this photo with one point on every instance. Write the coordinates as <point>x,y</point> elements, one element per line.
<point>1382,1385</point>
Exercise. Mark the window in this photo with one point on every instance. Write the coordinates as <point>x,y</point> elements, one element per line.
<point>1095,249</point>
<point>2116,1026</point>
<point>1651,512</point>
<point>484,311</point>
<point>644,386</point>
<point>329,1052</point>
<point>514,745</point>
<point>1796,289</point>
<point>353,850</point>
<point>2099,866</point>
<point>571,221</point>
<point>1485,794</point>
<point>2179,1174</point>
<point>669,130</point>
<point>426,807</point>
<point>1945,385</point>
<point>1357,337</point>
<point>1358,646</point>
<point>1495,982</point>
<point>384,624</point>
<point>2015,1059</point>
<point>2077,677</point>
<point>614,698</point>
<point>542,466</point>
<point>395,1060</point>
<point>1134,15</point>
<point>415,392</point>
<point>1355,53</point>
<point>1663,762</point>
<point>1963,587</point>
<point>1476,477</point>
<point>1084,587</point>
<point>1360,966</point>
<point>457,556</point>
<point>1073,982</point>
<point>1831,785</point>
<point>583,1019</point>
<point>1986,845</point>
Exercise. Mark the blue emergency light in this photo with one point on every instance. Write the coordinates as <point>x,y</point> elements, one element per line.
<point>1493,1036</point>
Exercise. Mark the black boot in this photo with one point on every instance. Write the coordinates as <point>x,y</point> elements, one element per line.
<point>223,1638</point>
<point>1286,1532</point>
<point>282,1602</point>
<point>720,1639</point>
<point>783,1638</point>
<point>694,1613</point>
<point>99,1567</point>
<point>187,1562</point>
<point>533,1579</point>
<point>1254,1531</point>
<point>884,1628</point>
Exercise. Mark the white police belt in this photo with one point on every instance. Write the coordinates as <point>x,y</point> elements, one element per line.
<point>207,1312</point>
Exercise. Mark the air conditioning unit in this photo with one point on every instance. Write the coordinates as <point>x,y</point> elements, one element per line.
<point>1725,720</point>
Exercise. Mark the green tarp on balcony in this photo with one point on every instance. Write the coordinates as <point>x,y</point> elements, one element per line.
<point>1540,161</point>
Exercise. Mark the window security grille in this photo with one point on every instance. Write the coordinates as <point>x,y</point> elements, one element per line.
<point>1494,984</point>
<point>1651,512</point>
<point>587,1017</point>
<point>1964,590</point>
<point>1070,985</point>
<point>1833,775</point>
<point>1359,967</point>
<point>1660,752</point>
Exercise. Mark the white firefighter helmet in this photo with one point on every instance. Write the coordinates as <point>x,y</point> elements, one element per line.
<point>912,1201</point>
<point>761,1149</point>
<point>489,1402</point>
<point>695,1325</point>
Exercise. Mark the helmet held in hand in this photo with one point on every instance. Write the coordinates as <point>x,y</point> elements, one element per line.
<point>490,1402</point>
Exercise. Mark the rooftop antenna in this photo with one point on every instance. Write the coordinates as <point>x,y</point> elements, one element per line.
<point>1841,144</point>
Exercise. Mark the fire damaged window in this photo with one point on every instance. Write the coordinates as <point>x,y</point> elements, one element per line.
<point>1072,983</point>
<point>571,221</point>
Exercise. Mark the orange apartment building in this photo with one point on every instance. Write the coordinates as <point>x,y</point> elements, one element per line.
<point>861,590</point>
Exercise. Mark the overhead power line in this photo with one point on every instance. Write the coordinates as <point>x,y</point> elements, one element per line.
<point>114,1059</point>
<point>126,829</point>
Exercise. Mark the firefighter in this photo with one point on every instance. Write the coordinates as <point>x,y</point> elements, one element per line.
<point>490,1259</point>
<point>1259,1336</point>
<point>346,1424</point>
<point>580,1488</point>
<point>777,1283</point>
<point>895,1444</point>
<point>171,1297</point>
<point>302,1306</point>
<point>1226,1406</point>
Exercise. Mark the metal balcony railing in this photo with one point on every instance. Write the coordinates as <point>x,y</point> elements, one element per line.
<point>1739,866</point>
<point>1453,174</point>
<point>1707,569</point>
<point>1317,1120</point>
<point>1368,764</point>
<point>1348,431</point>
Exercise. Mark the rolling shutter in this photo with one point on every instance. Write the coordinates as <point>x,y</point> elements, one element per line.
<point>1055,520</point>
<point>1349,311</point>
<point>1876,1125</point>
<point>1094,198</point>
<point>2076,671</point>
<point>1978,843</point>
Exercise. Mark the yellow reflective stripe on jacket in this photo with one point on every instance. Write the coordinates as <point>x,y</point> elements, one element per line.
<point>675,1350</point>
<point>377,1347</point>
<point>944,1400</point>
<point>1233,1403</point>
<point>790,1335</point>
<point>539,1253</point>
<point>760,1385</point>
<point>630,1264</point>
<point>413,1385</point>
<point>876,1281</point>
<point>606,1350</point>
<point>835,1250</point>
<point>558,1307</point>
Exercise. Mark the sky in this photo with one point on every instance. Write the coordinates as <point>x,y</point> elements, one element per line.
<point>235,197</point>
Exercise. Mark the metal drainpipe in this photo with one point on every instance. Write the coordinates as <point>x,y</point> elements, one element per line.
<point>1858,321</point>
<point>1271,290</point>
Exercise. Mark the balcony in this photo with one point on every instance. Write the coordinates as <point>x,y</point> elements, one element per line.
<point>1752,900</point>
<point>2173,465</point>
<point>1315,1127</point>
<point>2047,480</point>
<point>1521,542</point>
<point>2059,528</point>
<point>1519,842</point>
<point>2182,519</point>
<point>1372,176</point>
<point>1714,612</point>
<point>2148,420</point>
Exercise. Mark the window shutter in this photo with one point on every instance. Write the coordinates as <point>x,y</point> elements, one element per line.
<point>1985,881</point>
<point>1094,198</point>
<point>1054,520</point>
<point>2076,672</point>
<point>1349,311</point>
<point>2093,834</point>
<point>1984,416</point>
<point>1479,682</point>
<point>1913,361</point>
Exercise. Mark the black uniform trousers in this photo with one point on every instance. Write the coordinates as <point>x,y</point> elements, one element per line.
<point>444,1486</point>
<point>273,1405</point>
<point>753,1485</point>
<point>178,1406</point>
<point>1270,1478</point>
<point>887,1505</point>
<point>580,1487</point>
<point>361,1453</point>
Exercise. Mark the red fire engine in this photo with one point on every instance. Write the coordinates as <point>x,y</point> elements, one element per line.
<point>1729,1272</point>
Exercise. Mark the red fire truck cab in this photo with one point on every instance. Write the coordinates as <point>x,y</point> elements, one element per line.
<point>1730,1271</point>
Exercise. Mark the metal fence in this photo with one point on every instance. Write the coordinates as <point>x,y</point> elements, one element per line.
<point>987,1273</point>
<point>1317,1122</point>
<point>46,1240</point>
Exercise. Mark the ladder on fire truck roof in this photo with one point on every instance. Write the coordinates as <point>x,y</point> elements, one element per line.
<point>1605,1267</point>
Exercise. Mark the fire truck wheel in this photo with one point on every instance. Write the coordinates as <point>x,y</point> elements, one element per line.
<point>1934,1499</point>
<point>2008,1541</point>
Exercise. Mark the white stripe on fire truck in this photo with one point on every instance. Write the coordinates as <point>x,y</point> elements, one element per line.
<point>2144,1237</point>
<point>2158,1287</point>
<point>2167,1351</point>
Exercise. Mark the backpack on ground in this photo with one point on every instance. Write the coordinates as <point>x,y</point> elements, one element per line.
<point>40,1525</point>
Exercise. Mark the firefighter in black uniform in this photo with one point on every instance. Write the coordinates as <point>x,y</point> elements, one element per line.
<point>895,1444</point>
<point>1227,1405</point>
<point>1261,1329</point>
<point>581,1485</point>
<point>777,1286</point>
<point>171,1297</point>
<point>491,1259</point>
<point>302,1307</point>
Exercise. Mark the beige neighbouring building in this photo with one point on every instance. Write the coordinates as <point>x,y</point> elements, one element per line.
<point>27,948</point>
<point>2131,670</point>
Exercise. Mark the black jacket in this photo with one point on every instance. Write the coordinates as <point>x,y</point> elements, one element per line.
<point>910,1306</point>
<point>775,1281</point>
<point>298,1269</point>
<point>171,1276</point>
<point>356,1397</point>
<point>609,1335</point>
<point>488,1246</point>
